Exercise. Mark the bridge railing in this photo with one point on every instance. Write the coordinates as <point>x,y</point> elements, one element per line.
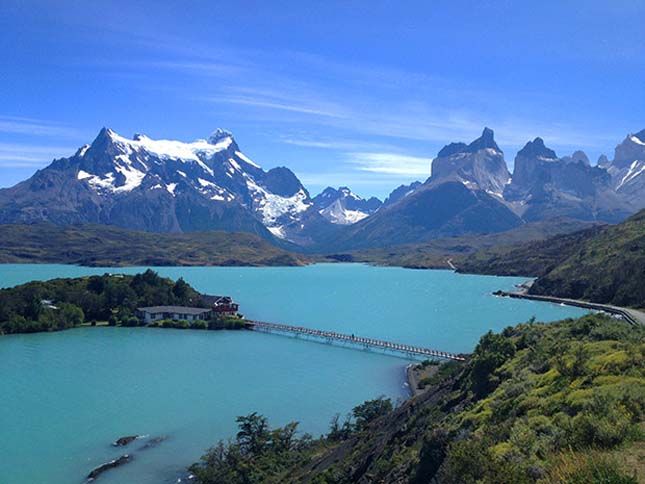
<point>416,350</point>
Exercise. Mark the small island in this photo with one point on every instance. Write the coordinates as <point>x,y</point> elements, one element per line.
<point>144,299</point>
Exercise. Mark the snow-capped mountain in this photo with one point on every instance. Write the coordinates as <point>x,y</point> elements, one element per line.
<point>209,184</point>
<point>344,207</point>
<point>161,185</point>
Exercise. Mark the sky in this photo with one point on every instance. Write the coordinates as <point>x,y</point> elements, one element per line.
<point>356,93</point>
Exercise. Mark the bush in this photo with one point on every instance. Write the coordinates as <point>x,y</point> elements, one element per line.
<point>199,324</point>
<point>587,469</point>
<point>130,322</point>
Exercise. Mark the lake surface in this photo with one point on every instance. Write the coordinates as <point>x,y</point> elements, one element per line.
<point>66,396</point>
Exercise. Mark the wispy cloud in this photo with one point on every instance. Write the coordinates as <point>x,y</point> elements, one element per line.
<point>264,103</point>
<point>336,144</point>
<point>391,164</point>
<point>366,99</point>
<point>30,156</point>
<point>38,127</point>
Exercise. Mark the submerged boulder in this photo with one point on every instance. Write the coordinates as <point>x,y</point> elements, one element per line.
<point>123,441</point>
<point>153,442</point>
<point>124,459</point>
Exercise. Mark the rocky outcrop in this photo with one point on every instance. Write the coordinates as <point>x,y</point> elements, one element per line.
<point>479,165</point>
<point>96,472</point>
<point>627,170</point>
<point>544,186</point>
<point>123,441</point>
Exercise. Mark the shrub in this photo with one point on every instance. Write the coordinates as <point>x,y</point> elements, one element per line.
<point>587,469</point>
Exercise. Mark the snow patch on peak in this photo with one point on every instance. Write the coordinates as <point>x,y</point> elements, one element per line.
<point>278,231</point>
<point>635,169</point>
<point>636,139</point>
<point>82,150</point>
<point>336,213</point>
<point>245,159</point>
<point>220,135</point>
<point>272,207</point>
<point>83,175</point>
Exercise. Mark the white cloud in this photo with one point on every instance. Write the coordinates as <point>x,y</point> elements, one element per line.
<point>391,164</point>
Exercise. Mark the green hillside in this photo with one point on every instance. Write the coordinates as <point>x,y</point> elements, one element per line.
<point>539,403</point>
<point>608,267</point>
<point>602,264</point>
<point>434,254</point>
<point>99,245</point>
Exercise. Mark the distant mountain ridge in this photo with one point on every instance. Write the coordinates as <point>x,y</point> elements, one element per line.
<point>162,186</point>
<point>209,184</point>
<point>343,206</point>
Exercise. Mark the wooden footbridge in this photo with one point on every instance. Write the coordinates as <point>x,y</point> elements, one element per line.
<point>367,343</point>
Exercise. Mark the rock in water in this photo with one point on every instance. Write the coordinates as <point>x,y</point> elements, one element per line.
<point>153,442</point>
<point>123,441</point>
<point>124,459</point>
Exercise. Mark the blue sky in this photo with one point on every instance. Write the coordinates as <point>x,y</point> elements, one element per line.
<point>344,93</point>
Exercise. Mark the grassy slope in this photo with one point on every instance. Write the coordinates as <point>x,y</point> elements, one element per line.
<point>602,264</point>
<point>435,253</point>
<point>606,268</point>
<point>534,259</point>
<point>97,245</point>
<point>549,403</point>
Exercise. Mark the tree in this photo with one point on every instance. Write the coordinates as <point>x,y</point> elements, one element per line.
<point>371,410</point>
<point>490,353</point>
<point>70,315</point>
<point>254,433</point>
<point>181,290</point>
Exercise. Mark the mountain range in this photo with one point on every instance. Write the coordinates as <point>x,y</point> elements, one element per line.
<point>209,184</point>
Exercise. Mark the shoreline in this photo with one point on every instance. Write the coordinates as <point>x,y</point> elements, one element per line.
<point>632,316</point>
<point>416,373</point>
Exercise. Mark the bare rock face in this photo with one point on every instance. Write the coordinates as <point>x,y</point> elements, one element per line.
<point>544,186</point>
<point>627,170</point>
<point>479,164</point>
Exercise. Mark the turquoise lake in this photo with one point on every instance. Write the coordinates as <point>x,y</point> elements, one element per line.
<point>66,396</point>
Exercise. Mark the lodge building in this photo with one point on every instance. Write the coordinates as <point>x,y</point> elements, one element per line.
<point>218,306</point>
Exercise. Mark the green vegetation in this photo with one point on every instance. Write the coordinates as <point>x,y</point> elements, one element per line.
<point>603,264</point>
<point>65,303</point>
<point>99,245</point>
<point>263,455</point>
<point>607,268</point>
<point>434,254</point>
<point>539,403</point>
<point>534,259</point>
<point>223,322</point>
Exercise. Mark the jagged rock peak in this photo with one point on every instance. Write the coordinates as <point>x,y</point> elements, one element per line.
<point>485,141</point>
<point>401,192</point>
<point>577,157</point>
<point>641,135</point>
<point>452,149</point>
<point>535,149</point>
<point>603,161</point>
<point>218,135</point>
